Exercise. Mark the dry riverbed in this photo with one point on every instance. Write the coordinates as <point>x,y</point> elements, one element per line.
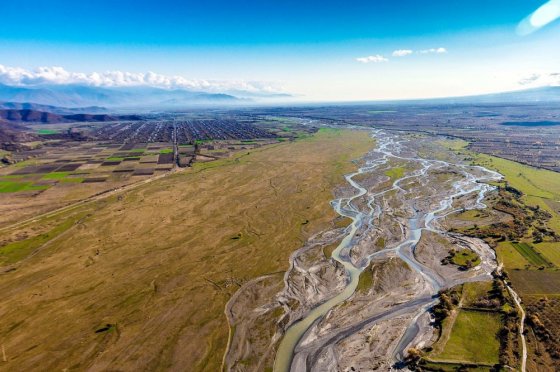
<point>357,298</point>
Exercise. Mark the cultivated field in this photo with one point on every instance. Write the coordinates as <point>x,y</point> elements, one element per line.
<point>532,264</point>
<point>474,338</point>
<point>76,161</point>
<point>474,331</point>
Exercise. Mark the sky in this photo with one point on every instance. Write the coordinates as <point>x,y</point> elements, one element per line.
<point>315,50</point>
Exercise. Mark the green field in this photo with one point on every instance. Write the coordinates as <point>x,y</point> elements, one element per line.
<point>365,282</point>
<point>46,131</point>
<point>472,291</point>
<point>510,257</point>
<point>551,251</point>
<point>11,186</point>
<point>462,257</point>
<point>375,112</point>
<point>62,177</point>
<point>471,215</point>
<point>453,367</point>
<point>532,181</point>
<point>72,180</point>
<point>8,177</point>
<point>527,251</point>
<point>454,144</point>
<point>395,173</point>
<point>55,175</point>
<point>540,186</point>
<point>474,338</point>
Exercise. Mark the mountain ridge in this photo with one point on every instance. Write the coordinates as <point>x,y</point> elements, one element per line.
<point>74,96</point>
<point>44,117</point>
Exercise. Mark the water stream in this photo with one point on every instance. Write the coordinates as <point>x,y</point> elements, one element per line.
<point>387,147</point>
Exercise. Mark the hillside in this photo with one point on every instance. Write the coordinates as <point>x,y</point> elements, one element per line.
<point>72,96</point>
<point>50,108</point>
<point>34,116</point>
<point>13,133</point>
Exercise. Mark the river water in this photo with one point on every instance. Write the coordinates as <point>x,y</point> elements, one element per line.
<point>388,146</point>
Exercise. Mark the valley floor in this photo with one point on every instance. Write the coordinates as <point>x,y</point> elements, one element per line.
<point>139,280</point>
<point>346,250</point>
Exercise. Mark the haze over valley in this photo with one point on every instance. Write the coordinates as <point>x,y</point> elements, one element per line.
<point>295,186</point>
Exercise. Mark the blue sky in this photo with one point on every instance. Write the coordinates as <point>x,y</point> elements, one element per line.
<point>309,48</point>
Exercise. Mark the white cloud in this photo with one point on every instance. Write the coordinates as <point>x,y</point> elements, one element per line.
<point>433,51</point>
<point>541,79</point>
<point>402,52</point>
<point>17,76</point>
<point>528,80</point>
<point>374,59</point>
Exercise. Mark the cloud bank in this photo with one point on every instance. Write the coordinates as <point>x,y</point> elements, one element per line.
<point>372,59</point>
<point>541,79</point>
<point>17,76</point>
<point>400,53</point>
<point>433,51</point>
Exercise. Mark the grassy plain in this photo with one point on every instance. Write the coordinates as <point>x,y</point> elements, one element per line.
<point>141,284</point>
<point>16,251</point>
<point>473,338</point>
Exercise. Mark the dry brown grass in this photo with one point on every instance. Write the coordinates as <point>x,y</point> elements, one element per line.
<point>159,263</point>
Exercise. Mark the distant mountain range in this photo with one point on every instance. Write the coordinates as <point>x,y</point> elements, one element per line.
<point>542,94</point>
<point>52,109</point>
<point>72,96</point>
<point>533,95</point>
<point>34,116</point>
<point>72,99</point>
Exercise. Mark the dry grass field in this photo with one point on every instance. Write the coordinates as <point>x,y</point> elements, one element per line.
<point>140,280</point>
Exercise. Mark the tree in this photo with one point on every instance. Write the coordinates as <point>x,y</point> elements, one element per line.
<point>413,356</point>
